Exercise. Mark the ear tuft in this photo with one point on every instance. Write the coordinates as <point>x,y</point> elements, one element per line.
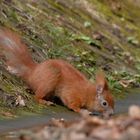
<point>101,81</point>
<point>99,89</point>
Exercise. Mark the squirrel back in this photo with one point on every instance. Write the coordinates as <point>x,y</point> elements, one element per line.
<point>18,59</point>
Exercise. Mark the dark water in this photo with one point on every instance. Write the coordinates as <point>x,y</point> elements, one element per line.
<point>122,105</point>
<point>133,98</point>
<point>34,120</point>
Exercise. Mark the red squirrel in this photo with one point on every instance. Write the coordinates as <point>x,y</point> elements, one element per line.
<point>55,77</point>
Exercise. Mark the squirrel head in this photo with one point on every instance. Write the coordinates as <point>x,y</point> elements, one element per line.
<point>103,101</point>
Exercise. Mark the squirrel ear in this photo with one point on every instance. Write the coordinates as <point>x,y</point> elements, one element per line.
<point>99,89</point>
<point>101,82</point>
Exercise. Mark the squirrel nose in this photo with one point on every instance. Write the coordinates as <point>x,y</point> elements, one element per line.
<point>108,113</point>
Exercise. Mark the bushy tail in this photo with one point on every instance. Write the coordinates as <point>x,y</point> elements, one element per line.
<point>18,59</point>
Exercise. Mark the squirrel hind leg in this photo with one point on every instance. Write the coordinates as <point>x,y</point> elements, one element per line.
<point>45,85</point>
<point>42,93</point>
<point>39,97</point>
<point>45,91</point>
<point>44,102</point>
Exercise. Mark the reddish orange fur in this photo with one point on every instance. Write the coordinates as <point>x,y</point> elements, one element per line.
<point>53,77</point>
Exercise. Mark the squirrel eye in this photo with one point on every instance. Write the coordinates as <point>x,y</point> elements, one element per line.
<point>104,103</point>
